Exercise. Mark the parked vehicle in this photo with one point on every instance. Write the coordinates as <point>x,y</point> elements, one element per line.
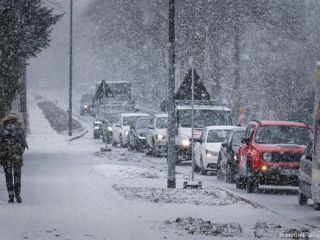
<point>270,153</point>
<point>206,113</point>
<point>227,160</point>
<point>157,134</point>
<point>97,128</point>
<point>206,149</point>
<point>137,136</point>
<point>86,104</point>
<point>305,178</point>
<point>121,127</point>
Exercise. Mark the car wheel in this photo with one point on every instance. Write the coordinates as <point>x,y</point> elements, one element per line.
<point>240,183</point>
<point>219,173</point>
<point>316,206</point>
<point>303,199</point>
<point>251,184</point>
<point>229,175</point>
<point>202,170</point>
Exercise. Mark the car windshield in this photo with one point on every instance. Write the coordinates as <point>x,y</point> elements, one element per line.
<point>110,118</point>
<point>283,135</point>
<point>203,118</point>
<point>162,122</point>
<point>129,121</point>
<point>142,123</point>
<point>237,137</point>
<point>217,136</point>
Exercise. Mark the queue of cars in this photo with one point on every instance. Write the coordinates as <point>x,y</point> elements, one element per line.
<point>263,153</point>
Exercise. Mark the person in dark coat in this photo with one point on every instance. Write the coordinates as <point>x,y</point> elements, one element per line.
<point>12,145</point>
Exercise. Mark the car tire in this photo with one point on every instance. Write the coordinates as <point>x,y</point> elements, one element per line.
<point>95,135</point>
<point>316,206</point>
<point>302,199</point>
<point>240,183</point>
<point>202,170</point>
<point>219,173</point>
<point>251,184</point>
<point>229,175</point>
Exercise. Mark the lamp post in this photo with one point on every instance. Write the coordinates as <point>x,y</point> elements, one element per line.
<point>70,74</point>
<point>171,131</point>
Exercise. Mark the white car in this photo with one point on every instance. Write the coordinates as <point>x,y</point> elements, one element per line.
<point>206,149</point>
<point>157,134</point>
<point>121,127</point>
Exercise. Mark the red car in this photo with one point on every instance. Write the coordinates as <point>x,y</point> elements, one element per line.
<point>270,153</point>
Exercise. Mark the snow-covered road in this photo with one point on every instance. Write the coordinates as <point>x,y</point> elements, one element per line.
<point>74,191</point>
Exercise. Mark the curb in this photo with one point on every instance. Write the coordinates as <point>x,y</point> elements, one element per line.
<point>79,136</point>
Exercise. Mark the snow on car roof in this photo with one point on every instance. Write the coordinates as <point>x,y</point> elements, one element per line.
<point>283,123</point>
<point>204,107</point>
<point>134,114</point>
<point>221,127</point>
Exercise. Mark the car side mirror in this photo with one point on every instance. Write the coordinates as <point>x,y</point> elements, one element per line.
<point>117,125</point>
<point>245,140</point>
<point>224,144</point>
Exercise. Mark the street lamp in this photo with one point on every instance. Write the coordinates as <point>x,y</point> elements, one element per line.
<point>70,74</point>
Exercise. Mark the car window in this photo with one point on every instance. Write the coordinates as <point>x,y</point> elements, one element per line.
<point>162,122</point>
<point>142,123</point>
<point>217,135</point>
<point>249,131</point>
<point>237,135</point>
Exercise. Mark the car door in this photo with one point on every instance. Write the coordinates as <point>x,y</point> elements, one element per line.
<point>224,151</point>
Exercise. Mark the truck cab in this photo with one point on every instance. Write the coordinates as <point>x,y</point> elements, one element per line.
<point>206,113</point>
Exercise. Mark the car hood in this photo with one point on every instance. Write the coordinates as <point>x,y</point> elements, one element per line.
<point>214,147</point>
<point>280,148</point>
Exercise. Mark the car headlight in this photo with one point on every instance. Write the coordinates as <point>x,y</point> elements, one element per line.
<point>235,157</point>
<point>86,106</point>
<point>211,153</point>
<point>185,141</point>
<point>109,128</point>
<point>160,136</point>
<point>267,156</point>
<point>96,128</point>
<point>126,132</point>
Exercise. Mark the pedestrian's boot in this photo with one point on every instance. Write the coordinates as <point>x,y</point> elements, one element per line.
<point>19,199</point>
<point>11,199</point>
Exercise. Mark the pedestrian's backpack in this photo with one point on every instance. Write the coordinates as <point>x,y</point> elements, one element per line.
<point>12,140</point>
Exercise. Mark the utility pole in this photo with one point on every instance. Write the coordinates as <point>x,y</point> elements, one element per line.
<point>171,108</point>
<point>70,74</point>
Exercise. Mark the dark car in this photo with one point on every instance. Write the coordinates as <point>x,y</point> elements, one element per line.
<point>137,134</point>
<point>226,167</point>
<point>305,177</point>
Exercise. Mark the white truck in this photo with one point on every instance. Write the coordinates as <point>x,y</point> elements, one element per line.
<point>206,113</point>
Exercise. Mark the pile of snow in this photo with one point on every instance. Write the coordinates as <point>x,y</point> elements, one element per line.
<point>273,231</point>
<point>198,226</point>
<point>214,197</point>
